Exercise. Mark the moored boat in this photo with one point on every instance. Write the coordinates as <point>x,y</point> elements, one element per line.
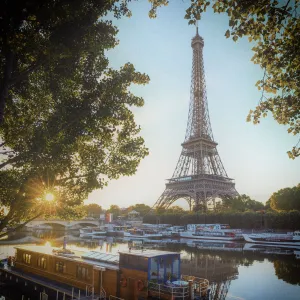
<point>290,238</point>
<point>211,232</point>
<point>90,231</point>
<point>129,275</point>
<point>142,233</point>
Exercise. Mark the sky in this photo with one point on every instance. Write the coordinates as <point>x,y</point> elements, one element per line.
<point>253,155</point>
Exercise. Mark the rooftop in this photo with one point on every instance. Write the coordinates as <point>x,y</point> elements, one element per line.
<point>105,260</point>
<point>149,253</point>
<point>96,258</point>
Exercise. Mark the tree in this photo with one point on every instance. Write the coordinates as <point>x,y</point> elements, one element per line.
<point>175,210</point>
<point>274,27</point>
<point>286,199</point>
<point>143,209</point>
<point>241,203</point>
<point>93,210</point>
<point>115,210</point>
<point>68,128</point>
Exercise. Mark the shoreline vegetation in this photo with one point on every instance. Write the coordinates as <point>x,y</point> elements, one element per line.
<point>244,220</point>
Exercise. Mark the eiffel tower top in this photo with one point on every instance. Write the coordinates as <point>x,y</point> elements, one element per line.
<point>197,39</point>
<point>198,126</point>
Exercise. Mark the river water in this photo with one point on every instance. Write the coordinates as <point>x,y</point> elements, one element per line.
<point>234,270</point>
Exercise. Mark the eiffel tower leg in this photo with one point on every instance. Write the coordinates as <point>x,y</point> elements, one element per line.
<point>196,204</point>
<point>190,200</point>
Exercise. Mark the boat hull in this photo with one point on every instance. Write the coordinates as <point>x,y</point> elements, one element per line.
<point>267,240</point>
<point>191,235</point>
<point>158,235</point>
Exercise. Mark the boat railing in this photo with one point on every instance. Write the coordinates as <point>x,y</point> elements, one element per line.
<point>200,285</point>
<point>103,293</point>
<point>177,292</point>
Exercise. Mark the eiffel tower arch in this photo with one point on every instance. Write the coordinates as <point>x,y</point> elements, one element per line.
<point>199,175</point>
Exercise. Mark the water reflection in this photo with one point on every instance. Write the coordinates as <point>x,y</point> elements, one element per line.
<point>220,263</point>
<point>288,270</point>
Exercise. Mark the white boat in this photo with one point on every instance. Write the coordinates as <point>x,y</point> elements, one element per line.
<point>172,231</point>
<point>290,238</point>
<point>105,230</point>
<point>211,232</point>
<point>116,230</point>
<point>139,233</point>
<point>91,231</point>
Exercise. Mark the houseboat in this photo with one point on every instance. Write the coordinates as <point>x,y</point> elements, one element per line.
<point>128,275</point>
<point>211,232</point>
<point>284,239</point>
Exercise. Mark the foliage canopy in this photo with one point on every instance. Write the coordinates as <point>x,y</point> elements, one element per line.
<point>68,127</point>
<point>286,199</point>
<point>241,203</point>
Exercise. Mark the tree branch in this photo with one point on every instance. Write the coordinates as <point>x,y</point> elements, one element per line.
<point>14,159</point>
<point>20,225</point>
<point>6,152</point>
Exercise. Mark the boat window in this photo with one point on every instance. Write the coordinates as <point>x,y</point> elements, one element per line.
<point>26,258</point>
<point>154,269</point>
<point>134,262</point>
<point>123,260</point>
<point>42,262</point>
<point>82,273</point>
<point>175,268</point>
<point>60,267</point>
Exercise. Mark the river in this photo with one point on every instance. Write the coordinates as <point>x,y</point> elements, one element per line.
<point>235,270</point>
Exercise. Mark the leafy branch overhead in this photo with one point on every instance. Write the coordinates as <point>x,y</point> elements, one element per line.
<point>274,29</point>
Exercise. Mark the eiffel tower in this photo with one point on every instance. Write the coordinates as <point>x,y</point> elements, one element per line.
<point>199,175</point>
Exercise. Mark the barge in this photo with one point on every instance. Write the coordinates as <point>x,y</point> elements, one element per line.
<point>128,275</point>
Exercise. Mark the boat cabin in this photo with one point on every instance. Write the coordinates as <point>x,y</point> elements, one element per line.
<point>195,227</point>
<point>125,275</point>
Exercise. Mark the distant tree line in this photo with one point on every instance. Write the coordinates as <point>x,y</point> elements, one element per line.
<point>246,220</point>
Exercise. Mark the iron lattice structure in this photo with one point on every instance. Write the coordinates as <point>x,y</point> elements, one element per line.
<point>199,175</point>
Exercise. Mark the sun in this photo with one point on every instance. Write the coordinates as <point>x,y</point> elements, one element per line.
<point>49,197</point>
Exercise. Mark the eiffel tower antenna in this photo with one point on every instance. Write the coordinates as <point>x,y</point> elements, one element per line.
<point>199,175</point>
